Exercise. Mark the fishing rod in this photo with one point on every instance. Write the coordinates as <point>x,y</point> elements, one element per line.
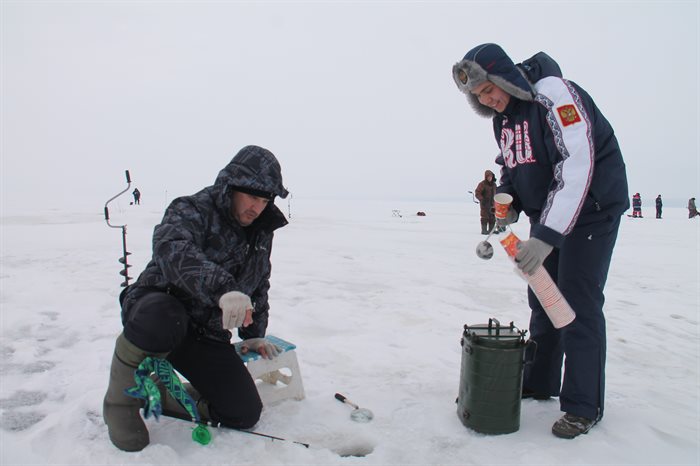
<point>271,437</point>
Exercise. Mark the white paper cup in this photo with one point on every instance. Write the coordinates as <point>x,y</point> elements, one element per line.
<point>502,203</point>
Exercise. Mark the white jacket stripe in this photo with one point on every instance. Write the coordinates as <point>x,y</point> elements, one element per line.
<point>573,140</point>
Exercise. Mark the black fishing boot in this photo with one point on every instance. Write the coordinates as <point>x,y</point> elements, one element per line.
<point>527,393</point>
<point>570,426</point>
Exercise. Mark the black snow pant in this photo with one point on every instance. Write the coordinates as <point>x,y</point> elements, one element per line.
<point>580,269</point>
<point>158,322</point>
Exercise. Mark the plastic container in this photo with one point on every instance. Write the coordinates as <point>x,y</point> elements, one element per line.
<point>555,305</point>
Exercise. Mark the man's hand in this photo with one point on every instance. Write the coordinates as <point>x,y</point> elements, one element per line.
<point>531,254</point>
<point>511,217</point>
<point>262,346</point>
<point>236,310</point>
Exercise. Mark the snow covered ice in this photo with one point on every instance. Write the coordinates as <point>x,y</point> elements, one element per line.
<point>376,304</point>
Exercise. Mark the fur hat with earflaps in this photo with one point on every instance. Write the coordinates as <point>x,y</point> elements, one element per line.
<point>489,62</point>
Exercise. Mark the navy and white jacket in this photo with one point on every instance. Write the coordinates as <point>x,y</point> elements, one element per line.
<point>560,159</point>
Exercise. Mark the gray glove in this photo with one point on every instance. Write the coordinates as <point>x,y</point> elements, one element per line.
<point>262,346</point>
<point>531,254</point>
<point>511,217</point>
<point>236,310</point>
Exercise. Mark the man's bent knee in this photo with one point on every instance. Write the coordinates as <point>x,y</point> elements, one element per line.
<point>238,416</point>
<point>156,322</point>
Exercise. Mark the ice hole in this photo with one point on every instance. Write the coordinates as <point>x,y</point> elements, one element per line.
<point>357,448</point>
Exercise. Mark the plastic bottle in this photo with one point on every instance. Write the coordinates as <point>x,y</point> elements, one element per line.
<point>541,283</point>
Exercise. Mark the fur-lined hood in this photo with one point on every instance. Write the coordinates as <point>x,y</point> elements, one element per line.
<point>489,62</point>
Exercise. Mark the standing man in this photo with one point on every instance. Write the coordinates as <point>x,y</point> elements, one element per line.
<point>210,274</point>
<point>484,192</point>
<point>637,206</point>
<point>562,164</point>
<point>692,209</point>
<point>137,196</point>
<point>659,206</point>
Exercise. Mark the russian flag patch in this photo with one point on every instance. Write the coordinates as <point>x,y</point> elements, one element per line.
<point>568,114</point>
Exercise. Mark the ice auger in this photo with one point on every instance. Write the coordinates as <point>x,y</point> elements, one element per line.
<point>125,271</point>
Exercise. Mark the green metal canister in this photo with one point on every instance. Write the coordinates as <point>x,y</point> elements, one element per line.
<point>491,378</point>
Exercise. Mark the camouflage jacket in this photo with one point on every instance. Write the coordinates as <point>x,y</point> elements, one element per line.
<point>200,252</point>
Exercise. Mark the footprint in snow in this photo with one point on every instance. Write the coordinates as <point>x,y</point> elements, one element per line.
<point>23,398</point>
<point>14,419</point>
<point>35,367</point>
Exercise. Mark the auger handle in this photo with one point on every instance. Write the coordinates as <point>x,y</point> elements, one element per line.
<point>106,209</point>
<point>343,399</point>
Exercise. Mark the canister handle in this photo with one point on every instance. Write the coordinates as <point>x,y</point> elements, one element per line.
<point>498,325</point>
<point>529,360</point>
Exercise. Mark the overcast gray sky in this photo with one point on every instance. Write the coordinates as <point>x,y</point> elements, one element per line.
<point>356,99</point>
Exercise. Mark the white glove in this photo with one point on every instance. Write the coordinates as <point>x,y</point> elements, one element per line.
<point>262,346</point>
<point>511,217</point>
<point>531,254</point>
<point>236,310</point>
